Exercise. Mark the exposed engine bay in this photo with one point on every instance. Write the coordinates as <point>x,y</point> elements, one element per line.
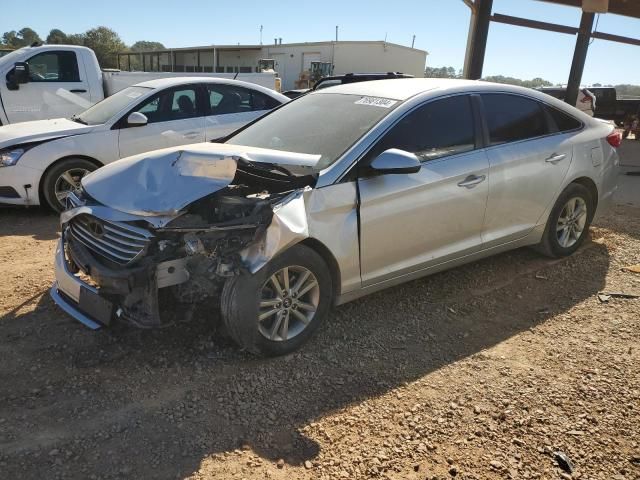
<point>127,257</point>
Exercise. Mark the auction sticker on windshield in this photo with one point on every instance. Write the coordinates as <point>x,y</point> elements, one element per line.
<point>376,102</point>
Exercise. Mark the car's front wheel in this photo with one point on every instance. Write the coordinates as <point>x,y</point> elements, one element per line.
<point>276,310</point>
<point>64,177</point>
<point>568,223</point>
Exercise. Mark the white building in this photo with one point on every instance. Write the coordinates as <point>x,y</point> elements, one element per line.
<point>291,59</point>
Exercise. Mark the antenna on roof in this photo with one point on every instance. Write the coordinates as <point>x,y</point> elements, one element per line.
<point>413,41</point>
<point>260,34</point>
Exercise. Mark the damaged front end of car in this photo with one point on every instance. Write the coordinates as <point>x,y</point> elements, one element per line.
<point>175,224</point>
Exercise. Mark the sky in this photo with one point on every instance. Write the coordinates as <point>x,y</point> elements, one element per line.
<point>440,26</point>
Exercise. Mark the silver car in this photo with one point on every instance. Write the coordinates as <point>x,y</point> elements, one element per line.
<point>340,193</point>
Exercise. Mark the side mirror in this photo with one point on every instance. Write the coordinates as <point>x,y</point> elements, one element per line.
<point>21,72</point>
<point>137,119</point>
<point>395,161</point>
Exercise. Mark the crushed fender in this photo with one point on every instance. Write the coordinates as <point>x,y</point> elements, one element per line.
<point>226,214</point>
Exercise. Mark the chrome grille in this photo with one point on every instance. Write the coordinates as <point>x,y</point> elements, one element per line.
<point>118,242</point>
<point>73,201</point>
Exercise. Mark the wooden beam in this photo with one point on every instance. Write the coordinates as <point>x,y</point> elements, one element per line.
<point>627,8</point>
<point>554,27</point>
<point>616,38</point>
<point>525,22</point>
<point>471,4</point>
<point>477,45</point>
<point>579,58</point>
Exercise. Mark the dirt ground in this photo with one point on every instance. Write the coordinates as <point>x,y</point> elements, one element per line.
<point>482,372</point>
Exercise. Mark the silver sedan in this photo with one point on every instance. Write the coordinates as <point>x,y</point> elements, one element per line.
<point>338,194</point>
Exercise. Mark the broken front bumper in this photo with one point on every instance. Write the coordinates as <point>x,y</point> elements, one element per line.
<point>114,297</point>
<point>65,291</point>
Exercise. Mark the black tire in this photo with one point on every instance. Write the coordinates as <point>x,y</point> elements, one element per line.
<point>52,175</point>
<point>550,244</point>
<point>241,296</point>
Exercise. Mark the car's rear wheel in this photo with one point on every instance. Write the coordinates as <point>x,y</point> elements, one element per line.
<point>63,178</point>
<point>568,223</point>
<point>276,310</point>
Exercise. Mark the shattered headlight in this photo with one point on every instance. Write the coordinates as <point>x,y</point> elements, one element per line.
<point>10,156</point>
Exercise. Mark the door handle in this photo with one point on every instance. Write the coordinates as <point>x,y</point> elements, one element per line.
<point>472,180</point>
<point>555,157</point>
<point>78,90</point>
<point>191,134</point>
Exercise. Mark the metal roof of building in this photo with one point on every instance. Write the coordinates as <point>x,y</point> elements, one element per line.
<point>628,8</point>
<point>272,45</point>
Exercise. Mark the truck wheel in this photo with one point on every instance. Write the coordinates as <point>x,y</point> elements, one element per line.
<point>568,223</point>
<point>276,310</point>
<point>62,178</point>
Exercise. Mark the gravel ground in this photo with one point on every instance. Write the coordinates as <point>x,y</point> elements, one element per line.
<point>486,371</point>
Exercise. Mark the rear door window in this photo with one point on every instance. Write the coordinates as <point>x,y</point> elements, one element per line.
<point>437,129</point>
<point>225,99</point>
<point>511,118</point>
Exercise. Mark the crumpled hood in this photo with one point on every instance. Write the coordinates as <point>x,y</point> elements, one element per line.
<point>40,130</point>
<point>165,181</point>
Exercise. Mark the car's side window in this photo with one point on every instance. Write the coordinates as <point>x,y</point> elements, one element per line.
<point>511,118</point>
<point>260,101</point>
<point>438,129</point>
<point>54,66</point>
<point>563,121</point>
<point>176,104</point>
<point>225,99</point>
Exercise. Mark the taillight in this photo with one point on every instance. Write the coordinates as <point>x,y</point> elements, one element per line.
<point>614,139</point>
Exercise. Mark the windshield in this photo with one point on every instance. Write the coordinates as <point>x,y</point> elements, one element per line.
<point>320,124</point>
<point>104,111</point>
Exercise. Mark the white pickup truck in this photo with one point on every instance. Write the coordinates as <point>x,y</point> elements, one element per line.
<point>53,81</point>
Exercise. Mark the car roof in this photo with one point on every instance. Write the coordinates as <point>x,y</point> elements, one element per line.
<point>404,88</point>
<point>397,88</point>
<point>177,81</point>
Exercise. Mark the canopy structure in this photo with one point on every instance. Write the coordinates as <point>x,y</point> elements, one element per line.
<point>482,15</point>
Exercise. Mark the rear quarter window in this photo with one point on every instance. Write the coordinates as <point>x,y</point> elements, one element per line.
<point>564,121</point>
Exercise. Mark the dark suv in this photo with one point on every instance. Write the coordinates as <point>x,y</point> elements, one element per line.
<point>334,80</point>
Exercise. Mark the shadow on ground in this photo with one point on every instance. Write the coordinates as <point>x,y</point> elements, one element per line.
<point>156,403</point>
<point>36,222</point>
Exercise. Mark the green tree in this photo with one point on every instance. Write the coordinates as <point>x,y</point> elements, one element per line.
<point>10,39</point>
<point>628,90</point>
<point>145,46</point>
<point>441,72</point>
<point>106,44</point>
<point>22,38</point>
<point>537,82</point>
<point>57,37</point>
<point>29,36</point>
<point>76,39</point>
<point>534,83</point>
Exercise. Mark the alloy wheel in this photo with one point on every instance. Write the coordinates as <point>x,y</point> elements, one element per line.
<point>571,222</point>
<point>67,182</point>
<point>288,303</point>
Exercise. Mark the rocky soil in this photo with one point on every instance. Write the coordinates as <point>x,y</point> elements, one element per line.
<point>511,367</point>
